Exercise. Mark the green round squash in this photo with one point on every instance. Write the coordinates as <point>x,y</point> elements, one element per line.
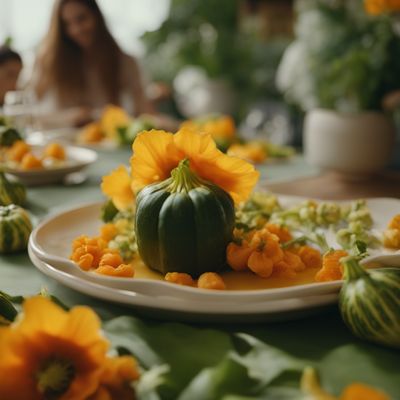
<point>184,224</point>
<point>11,191</point>
<point>369,302</point>
<point>8,136</point>
<point>15,228</point>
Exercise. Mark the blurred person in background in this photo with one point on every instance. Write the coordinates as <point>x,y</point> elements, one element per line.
<point>80,68</point>
<point>10,68</point>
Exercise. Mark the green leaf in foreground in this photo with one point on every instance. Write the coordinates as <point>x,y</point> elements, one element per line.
<point>364,363</point>
<point>248,374</point>
<point>273,393</point>
<point>216,382</point>
<point>184,349</point>
<point>266,363</point>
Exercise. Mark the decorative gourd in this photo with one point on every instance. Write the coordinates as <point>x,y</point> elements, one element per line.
<point>370,302</point>
<point>15,228</point>
<point>11,191</point>
<point>8,136</point>
<point>184,224</point>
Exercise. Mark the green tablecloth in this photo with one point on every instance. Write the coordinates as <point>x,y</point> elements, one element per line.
<point>322,339</point>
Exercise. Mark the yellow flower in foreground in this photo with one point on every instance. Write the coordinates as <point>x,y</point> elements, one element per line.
<point>156,153</point>
<point>112,118</point>
<point>253,151</point>
<point>53,354</point>
<point>117,186</point>
<point>376,7</point>
<point>115,381</point>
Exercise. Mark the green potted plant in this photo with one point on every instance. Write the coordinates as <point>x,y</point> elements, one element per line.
<point>339,70</point>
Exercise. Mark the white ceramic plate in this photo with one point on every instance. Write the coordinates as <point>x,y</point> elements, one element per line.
<point>50,246</point>
<point>78,158</point>
<point>184,309</point>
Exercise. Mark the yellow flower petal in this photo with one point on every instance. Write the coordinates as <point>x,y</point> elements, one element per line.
<point>154,156</point>
<point>42,314</point>
<point>115,381</point>
<point>156,153</point>
<point>235,176</point>
<point>117,186</point>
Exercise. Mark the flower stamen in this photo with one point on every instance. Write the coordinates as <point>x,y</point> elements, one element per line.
<point>54,378</point>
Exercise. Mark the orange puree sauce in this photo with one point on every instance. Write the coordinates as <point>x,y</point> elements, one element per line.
<point>239,280</point>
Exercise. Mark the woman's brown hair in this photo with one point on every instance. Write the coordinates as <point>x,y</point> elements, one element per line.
<point>61,64</point>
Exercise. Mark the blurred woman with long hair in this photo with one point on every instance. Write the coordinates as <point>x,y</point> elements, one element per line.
<point>80,67</point>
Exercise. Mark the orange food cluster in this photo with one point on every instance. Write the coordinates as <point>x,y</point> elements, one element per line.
<point>208,280</point>
<point>111,119</point>
<point>56,151</point>
<point>391,236</point>
<point>261,252</point>
<point>92,253</point>
<point>254,152</point>
<point>332,269</point>
<point>360,391</point>
<point>219,127</point>
<point>91,133</point>
<point>21,153</point>
<point>376,7</point>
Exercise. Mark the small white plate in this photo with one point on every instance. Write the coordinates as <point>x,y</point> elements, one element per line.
<point>78,158</point>
<point>50,246</point>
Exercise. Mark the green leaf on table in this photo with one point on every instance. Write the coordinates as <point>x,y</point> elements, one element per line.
<point>186,350</point>
<point>273,393</point>
<point>214,383</point>
<point>266,363</point>
<point>248,374</point>
<point>150,381</point>
<point>374,365</point>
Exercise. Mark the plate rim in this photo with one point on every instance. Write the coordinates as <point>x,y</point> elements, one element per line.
<point>326,287</point>
<point>181,305</point>
<point>243,295</point>
<point>61,170</point>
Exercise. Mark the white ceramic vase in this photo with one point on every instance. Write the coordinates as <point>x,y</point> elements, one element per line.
<point>197,95</point>
<point>354,145</point>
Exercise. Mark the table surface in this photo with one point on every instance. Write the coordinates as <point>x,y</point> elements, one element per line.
<point>322,338</point>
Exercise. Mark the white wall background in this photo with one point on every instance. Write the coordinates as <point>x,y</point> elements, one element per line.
<point>26,21</point>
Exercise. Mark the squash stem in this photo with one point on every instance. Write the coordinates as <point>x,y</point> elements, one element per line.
<point>183,179</point>
<point>352,269</point>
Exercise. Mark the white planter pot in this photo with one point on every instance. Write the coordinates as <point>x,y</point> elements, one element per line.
<point>352,144</point>
<point>197,95</point>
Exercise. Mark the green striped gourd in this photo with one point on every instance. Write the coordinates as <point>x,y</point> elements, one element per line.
<point>184,223</point>
<point>15,228</point>
<point>7,310</point>
<point>8,136</point>
<point>369,302</point>
<point>11,192</point>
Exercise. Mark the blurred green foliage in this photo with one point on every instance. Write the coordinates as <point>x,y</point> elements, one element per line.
<point>206,33</point>
<point>351,59</point>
